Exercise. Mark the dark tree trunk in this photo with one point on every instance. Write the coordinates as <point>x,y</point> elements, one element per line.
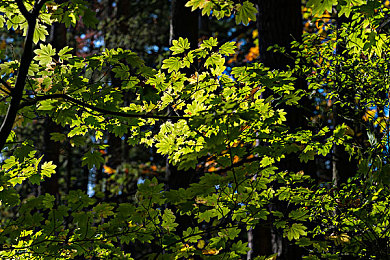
<point>51,148</point>
<point>51,152</point>
<point>342,167</point>
<point>184,23</point>
<point>279,22</point>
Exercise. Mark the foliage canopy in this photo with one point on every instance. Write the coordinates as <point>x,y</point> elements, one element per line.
<point>234,121</point>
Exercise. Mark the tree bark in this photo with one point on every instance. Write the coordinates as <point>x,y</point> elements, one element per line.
<point>184,23</point>
<point>342,167</point>
<point>279,22</point>
<point>27,56</point>
<point>51,148</point>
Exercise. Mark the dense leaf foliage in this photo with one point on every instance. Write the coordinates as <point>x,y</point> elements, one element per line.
<point>229,127</point>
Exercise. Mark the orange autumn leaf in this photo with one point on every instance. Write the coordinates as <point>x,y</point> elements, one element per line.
<point>236,159</point>
<point>108,169</point>
<point>253,54</point>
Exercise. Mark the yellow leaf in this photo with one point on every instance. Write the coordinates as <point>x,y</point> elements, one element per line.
<point>255,34</point>
<point>3,44</point>
<point>369,115</point>
<point>212,251</point>
<point>201,244</point>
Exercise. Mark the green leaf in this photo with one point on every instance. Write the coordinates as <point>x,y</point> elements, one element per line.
<point>89,18</point>
<point>40,33</point>
<point>63,53</point>
<point>121,71</point>
<point>245,13</point>
<point>92,159</point>
<point>46,105</point>
<point>103,210</point>
<point>16,180</point>
<point>2,21</point>
<point>240,248</point>
<point>48,201</point>
<point>169,220</point>
<point>299,215</point>
<point>228,48</point>
<point>58,137</point>
<point>319,6</point>
<point>214,60</point>
<point>172,64</point>
<point>295,231</point>
<point>47,169</point>
<point>179,46</point>
<point>209,43</point>
<point>44,54</point>
<point>194,4</point>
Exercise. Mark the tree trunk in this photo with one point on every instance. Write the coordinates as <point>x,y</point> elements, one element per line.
<point>342,167</point>
<point>184,23</point>
<point>51,148</point>
<point>278,22</point>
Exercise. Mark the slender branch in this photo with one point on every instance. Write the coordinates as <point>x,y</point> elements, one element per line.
<point>22,8</point>
<point>37,7</point>
<point>383,24</point>
<point>2,81</point>
<point>97,109</point>
<point>17,91</point>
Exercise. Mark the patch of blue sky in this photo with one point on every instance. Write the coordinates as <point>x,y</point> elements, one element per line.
<point>231,31</point>
<point>91,183</point>
<point>151,49</point>
<point>99,42</point>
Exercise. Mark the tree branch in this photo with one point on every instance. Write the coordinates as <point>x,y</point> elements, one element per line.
<point>22,8</point>
<point>8,87</point>
<point>97,109</point>
<point>37,7</point>
<point>17,91</point>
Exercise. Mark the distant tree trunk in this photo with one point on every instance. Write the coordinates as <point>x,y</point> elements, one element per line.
<point>51,148</point>
<point>51,152</point>
<point>342,167</point>
<point>184,23</point>
<point>278,22</point>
